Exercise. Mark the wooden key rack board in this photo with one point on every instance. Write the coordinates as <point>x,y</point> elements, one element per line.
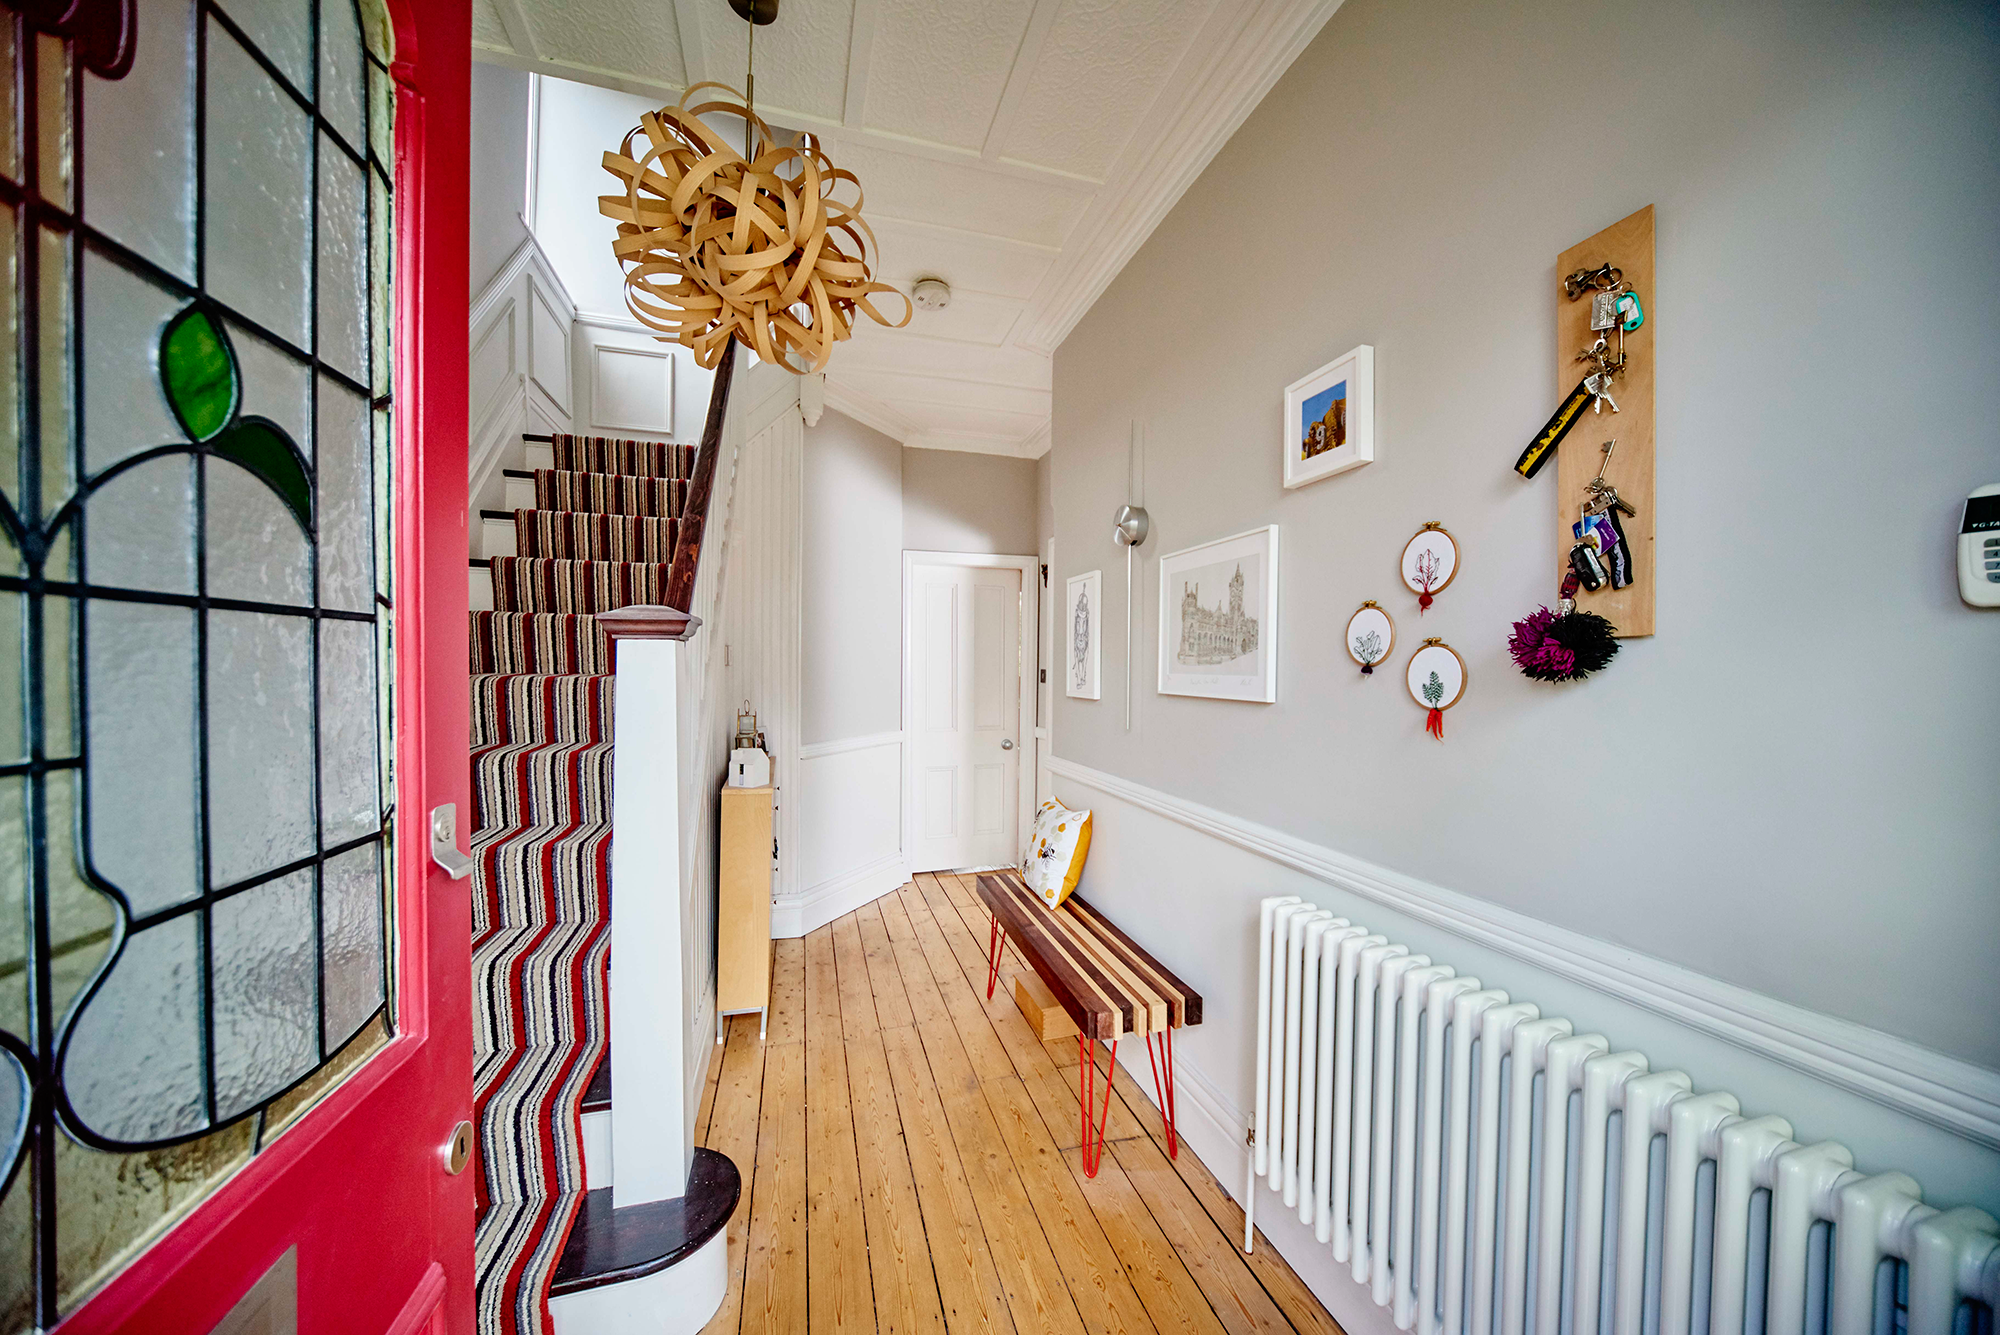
<point>1628,244</point>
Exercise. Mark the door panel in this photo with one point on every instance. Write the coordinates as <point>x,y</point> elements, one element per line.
<point>344,1167</point>
<point>964,631</point>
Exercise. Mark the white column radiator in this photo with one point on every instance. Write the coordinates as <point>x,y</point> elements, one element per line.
<point>1486,1171</point>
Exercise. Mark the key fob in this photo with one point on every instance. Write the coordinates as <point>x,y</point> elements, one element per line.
<point>1603,310</point>
<point>1587,566</point>
<point>1628,315</point>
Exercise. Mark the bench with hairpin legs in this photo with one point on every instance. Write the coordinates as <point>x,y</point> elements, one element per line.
<point>1105,982</point>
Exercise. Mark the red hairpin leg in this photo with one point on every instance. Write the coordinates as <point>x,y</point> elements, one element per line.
<point>1089,1056</point>
<point>1166,1094</point>
<point>995,942</point>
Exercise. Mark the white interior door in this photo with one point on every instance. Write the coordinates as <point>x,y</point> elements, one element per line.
<point>964,628</point>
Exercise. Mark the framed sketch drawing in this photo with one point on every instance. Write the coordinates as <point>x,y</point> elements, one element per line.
<point>1082,632</point>
<point>1219,618</point>
<point>1330,419</point>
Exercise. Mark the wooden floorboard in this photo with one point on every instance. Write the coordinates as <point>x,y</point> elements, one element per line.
<point>909,1153</point>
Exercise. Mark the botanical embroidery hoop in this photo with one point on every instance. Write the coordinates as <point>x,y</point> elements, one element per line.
<point>1370,619</point>
<point>1436,679</point>
<point>1430,563</point>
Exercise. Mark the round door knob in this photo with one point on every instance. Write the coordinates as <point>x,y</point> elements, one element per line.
<point>1007,744</point>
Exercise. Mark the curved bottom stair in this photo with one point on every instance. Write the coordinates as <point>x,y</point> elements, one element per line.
<point>660,1268</point>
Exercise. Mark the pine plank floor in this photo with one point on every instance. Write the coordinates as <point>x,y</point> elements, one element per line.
<point>909,1154</point>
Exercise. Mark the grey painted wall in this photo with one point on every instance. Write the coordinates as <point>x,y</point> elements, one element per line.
<point>1791,786</point>
<point>851,654</point>
<point>954,502</point>
<point>499,168</point>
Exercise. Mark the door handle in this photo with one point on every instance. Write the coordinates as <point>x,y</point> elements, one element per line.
<point>1007,744</point>
<point>444,842</point>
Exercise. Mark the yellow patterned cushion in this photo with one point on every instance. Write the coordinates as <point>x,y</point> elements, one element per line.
<point>1056,851</point>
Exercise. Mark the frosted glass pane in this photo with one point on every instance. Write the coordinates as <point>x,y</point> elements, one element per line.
<point>381,115</point>
<point>138,137</point>
<point>82,918</point>
<point>266,1019</point>
<point>343,261</point>
<point>52,119</point>
<point>59,683</point>
<point>275,385</point>
<point>14,911</point>
<point>143,827</point>
<point>381,306</point>
<point>124,409</point>
<point>10,345</point>
<point>139,527</point>
<point>257,192</point>
<point>349,804</point>
<point>346,481</point>
<point>256,550</point>
<point>340,69</point>
<point>10,130</point>
<point>133,1071</point>
<point>13,685</point>
<point>351,922</point>
<point>54,336</point>
<point>13,1108</point>
<point>17,1259</point>
<point>282,30</point>
<point>385,455</point>
<point>260,720</point>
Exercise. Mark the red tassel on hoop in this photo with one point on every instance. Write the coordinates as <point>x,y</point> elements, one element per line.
<point>1434,724</point>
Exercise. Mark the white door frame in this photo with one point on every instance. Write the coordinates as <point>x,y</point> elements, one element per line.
<point>1024,729</point>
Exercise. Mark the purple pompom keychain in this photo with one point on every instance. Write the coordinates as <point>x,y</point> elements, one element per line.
<point>1563,645</point>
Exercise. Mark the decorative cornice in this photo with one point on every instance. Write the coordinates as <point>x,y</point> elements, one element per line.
<point>641,622</point>
<point>867,410</point>
<point>1124,213</point>
<point>1907,1077</point>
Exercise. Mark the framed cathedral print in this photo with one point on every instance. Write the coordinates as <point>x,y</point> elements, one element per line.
<point>1082,629</point>
<point>1330,419</point>
<point>1219,618</point>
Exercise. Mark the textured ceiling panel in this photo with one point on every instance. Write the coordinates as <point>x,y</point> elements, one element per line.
<point>964,395</point>
<point>638,38</point>
<point>979,263</point>
<point>1100,67</point>
<point>487,29</point>
<point>801,59</point>
<point>972,317</point>
<point>925,191</point>
<point>938,66</point>
<point>873,349</point>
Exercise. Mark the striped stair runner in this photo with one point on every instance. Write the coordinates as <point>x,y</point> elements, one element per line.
<point>542,712</point>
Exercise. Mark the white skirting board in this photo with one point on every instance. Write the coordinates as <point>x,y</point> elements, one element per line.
<point>676,1301</point>
<point>795,915</point>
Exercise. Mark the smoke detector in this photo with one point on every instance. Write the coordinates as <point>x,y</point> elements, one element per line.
<point>931,294</point>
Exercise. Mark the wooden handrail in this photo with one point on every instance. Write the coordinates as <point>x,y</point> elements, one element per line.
<point>694,513</point>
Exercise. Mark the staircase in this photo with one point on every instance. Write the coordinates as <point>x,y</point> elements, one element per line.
<point>594,530</point>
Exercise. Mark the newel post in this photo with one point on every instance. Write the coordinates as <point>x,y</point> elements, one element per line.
<point>649,1028</point>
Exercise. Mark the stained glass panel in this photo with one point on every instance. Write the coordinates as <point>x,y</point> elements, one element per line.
<point>195,773</point>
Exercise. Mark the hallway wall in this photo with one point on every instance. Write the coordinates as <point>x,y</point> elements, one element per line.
<point>1787,789</point>
<point>958,502</point>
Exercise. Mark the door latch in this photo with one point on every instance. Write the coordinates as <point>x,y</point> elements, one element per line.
<point>444,842</point>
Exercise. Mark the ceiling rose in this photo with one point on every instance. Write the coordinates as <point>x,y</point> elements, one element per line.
<point>716,246</point>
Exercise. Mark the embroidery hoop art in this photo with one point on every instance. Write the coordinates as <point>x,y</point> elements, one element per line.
<point>1433,538</point>
<point>1370,616</point>
<point>1434,656</point>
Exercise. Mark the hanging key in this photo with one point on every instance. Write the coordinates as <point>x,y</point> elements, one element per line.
<point>1599,386</point>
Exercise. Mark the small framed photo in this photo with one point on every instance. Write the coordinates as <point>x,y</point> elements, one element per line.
<point>1330,419</point>
<point>1082,633</point>
<point>1219,618</point>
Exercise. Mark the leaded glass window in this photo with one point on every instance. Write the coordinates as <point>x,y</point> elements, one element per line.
<point>195,780</point>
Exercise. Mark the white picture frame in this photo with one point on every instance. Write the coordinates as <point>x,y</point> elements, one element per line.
<point>1337,399</point>
<point>1219,619</point>
<point>1081,636</point>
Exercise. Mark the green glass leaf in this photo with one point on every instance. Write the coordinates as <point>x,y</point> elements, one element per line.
<point>262,446</point>
<point>198,373</point>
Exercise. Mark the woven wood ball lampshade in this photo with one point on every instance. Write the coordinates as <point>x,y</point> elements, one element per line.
<point>716,246</point>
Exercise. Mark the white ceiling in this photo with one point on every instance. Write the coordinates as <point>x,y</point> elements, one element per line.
<point>1021,150</point>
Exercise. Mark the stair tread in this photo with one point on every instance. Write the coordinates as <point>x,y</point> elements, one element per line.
<point>607,1245</point>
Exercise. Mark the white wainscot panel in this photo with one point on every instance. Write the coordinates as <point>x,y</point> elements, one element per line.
<point>632,389</point>
<point>548,347</point>
<point>493,365</point>
<point>849,832</point>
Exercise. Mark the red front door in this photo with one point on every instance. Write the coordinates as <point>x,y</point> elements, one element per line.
<point>357,1189</point>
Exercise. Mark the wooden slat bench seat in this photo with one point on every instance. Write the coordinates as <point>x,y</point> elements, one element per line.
<point>1105,981</point>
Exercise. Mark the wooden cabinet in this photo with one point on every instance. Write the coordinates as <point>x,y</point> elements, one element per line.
<point>743,914</point>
